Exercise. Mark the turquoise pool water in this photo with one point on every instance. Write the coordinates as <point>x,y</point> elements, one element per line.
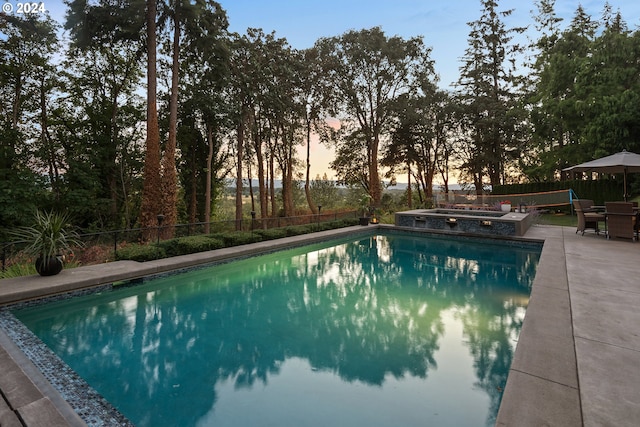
<point>385,330</point>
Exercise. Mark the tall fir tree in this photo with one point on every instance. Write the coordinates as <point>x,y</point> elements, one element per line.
<point>488,89</point>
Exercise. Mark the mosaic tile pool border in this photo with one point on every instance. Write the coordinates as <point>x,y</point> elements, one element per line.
<point>94,409</point>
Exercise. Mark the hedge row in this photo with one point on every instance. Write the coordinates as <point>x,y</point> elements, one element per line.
<point>201,243</point>
<point>597,190</point>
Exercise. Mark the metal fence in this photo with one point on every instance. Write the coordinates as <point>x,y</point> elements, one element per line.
<point>114,238</point>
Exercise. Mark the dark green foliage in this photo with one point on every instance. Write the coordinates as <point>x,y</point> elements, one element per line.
<point>489,98</point>
<point>348,222</point>
<point>141,253</point>
<point>585,92</point>
<point>296,230</point>
<point>69,128</point>
<point>345,222</point>
<point>368,71</point>
<point>272,233</point>
<point>327,226</point>
<point>190,245</point>
<point>235,238</point>
<point>193,244</point>
<point>599,191</point>
<point>27,46</point>
<point>20,193</point>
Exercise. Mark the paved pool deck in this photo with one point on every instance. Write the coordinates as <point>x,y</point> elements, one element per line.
<point>577,361</point>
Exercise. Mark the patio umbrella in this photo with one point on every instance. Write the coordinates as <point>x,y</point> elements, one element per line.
<point>621,162</point>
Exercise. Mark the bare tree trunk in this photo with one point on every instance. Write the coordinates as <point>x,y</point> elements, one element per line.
<point>307,186</point>
<point>125,195</point>
<point>272,189</point>
<point>240,155</point>
<point>54,174</point>
<point>151,206</point>
<point>286,167</point>
<point>267,186</point>
<point>207,191</point>
<point>409,195</point>
<point>290,205</point>
<point>477,181</point>
<point>257,142</point>
<point>250,181</point>
<point>169,173</point>
<point>375,190</point>
<point>193,199</point>
<point>420,182</point>
<point>418,187</point>
<point>287,193</point>
<point>429,183</point>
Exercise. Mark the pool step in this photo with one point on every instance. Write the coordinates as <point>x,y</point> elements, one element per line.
<point>8,418</point>
<point>21,402</point>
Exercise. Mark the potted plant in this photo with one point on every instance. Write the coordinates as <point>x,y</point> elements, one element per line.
<point>505,206</point>
<point>48,239</point>
<point>365,202</point>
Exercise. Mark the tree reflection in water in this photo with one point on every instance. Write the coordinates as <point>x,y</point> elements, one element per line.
<point>367,312</point>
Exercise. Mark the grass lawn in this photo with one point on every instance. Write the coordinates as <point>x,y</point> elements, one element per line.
<point>562,219</point>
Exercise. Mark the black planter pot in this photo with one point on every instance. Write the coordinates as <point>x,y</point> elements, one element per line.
<point>49,266</point>
<point>364,220</point>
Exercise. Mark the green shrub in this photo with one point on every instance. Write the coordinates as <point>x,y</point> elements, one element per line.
<point>169,246</point>
<point>296,230</point>
<point>326,226</point>
<point>348,222</point>
<point>219,235</point>
<point>235,238</point>
<point>137,252</point>
<point>338,223</point>
<point>272,233</point>
<point>190,245</point>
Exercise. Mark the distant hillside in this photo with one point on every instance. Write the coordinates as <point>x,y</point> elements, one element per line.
<point>400,186</point>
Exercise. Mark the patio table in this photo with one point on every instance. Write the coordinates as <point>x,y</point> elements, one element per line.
<point>635,213</point>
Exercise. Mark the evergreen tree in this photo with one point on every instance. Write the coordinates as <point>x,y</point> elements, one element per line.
<point>540,162</point>
<point>608,86</point>
<point>489,93</point>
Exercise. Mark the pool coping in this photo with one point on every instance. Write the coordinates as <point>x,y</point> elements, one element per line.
<point>559,374</point>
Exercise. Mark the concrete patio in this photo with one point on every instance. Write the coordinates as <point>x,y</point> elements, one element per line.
<point>577,361</point>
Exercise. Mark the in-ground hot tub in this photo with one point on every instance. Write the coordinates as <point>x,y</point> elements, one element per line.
<point>467,221</point>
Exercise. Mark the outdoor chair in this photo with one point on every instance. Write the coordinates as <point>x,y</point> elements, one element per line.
<point>588,218</point>
<point>621,220</point>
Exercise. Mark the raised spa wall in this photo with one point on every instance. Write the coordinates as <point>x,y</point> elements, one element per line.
<point>466,221</point>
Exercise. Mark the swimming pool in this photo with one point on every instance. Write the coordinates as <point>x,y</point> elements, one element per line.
<point>388,329</point>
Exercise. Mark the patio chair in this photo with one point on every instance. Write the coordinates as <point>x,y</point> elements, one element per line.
<point>621,220</point>
<point>588,218</point>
